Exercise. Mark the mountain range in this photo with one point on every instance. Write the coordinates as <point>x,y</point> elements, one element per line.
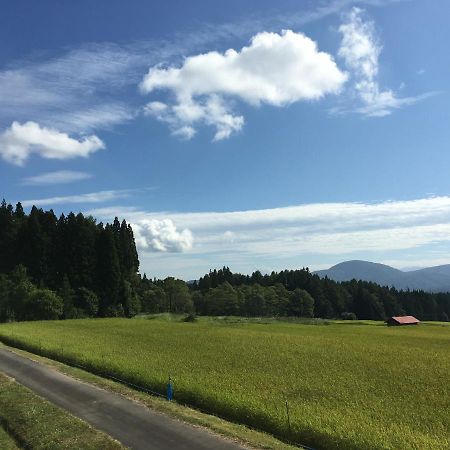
<point>431,279</point>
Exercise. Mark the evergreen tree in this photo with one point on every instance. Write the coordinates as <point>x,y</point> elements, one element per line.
<point>368,306</point>
<point>130,301</point>
<point>67,294</point>
<point>7,312</point>
<point>301,304</point>
<point>86,302</point>
<point>8,232</point>
<point>19,212</point>
<point>109,280</point>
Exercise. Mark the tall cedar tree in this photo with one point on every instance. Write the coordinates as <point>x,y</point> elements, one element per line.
<point>71,256</point>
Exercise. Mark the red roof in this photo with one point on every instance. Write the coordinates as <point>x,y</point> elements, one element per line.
<point>405,319</point>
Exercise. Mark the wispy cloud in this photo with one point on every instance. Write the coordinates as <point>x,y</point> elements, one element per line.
<point>274,21</point>
<point>57,177</point>
<point>74,92</point>
<point>360,49</point>
<point>277,237</point>
<point>92,197</point>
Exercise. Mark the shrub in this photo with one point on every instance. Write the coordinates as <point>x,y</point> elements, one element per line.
<point>43,304</point>
<point>190,318</point>
<point>348,316</point>
<point>87,302</point>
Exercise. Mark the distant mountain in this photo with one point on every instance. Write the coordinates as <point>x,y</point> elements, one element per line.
<point>432,279</point>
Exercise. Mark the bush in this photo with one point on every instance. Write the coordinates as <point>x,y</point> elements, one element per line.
<point>348,316</point>
<point>87,302</point>
<point>190,318</point>
<point>43,304</point>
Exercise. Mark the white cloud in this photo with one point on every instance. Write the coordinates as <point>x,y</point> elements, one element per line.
<point>74,92</point>
<point>92,87</point>
<point>184,132</point>
<point>90,117</point>
<point>360,49</point>
<point>58,177</point>
<point>313,217</point>
<point>275,69</point>
<point>211,111</point>
<point>161,236</point>
<point>92,197</point>
<point>307,234</point>
<point>19,141</point>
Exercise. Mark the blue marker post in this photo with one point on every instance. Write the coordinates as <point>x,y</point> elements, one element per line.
<point>169,390</point>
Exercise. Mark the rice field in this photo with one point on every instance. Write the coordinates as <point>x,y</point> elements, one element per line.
<point>345,385</point>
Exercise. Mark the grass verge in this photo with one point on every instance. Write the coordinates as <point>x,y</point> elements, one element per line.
<point>34,423</point>
<point>6,441</point>
<point>240,433</point>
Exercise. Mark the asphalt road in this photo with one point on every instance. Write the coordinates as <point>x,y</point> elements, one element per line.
<point>132,424</point>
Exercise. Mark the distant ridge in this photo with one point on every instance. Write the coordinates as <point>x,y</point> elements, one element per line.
<point>431,279</point>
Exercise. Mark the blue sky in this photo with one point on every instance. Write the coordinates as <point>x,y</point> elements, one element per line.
<point>254,134</point>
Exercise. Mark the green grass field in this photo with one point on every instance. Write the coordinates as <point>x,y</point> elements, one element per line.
<point>348,385</point>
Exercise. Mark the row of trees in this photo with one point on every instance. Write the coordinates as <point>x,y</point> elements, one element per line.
<point>331,299</point>
<point>171,295</point>
<point>288,293</point>
<point>21,299</point>
<point>71,267</point>
<point>92,268</point>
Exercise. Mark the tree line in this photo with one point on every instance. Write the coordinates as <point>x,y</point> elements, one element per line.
<point>65,267</point>
<point>72,266</point>
<point>300,292</point>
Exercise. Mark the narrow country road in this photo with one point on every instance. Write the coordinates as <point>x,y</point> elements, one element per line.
<point>132,424</point>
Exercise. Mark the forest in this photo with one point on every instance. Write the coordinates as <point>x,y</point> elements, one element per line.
<point>73,267</point>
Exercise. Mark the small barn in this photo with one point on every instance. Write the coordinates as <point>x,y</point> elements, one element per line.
<point>402,320</point>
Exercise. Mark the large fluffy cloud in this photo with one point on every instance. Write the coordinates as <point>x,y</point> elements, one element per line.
<point>53,90</point>
<point>19,141</point>
<point>276,69</point>
<point>161,236</point>
<point>360,49</point>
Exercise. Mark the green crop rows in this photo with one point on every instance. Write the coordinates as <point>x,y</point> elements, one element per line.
<point>347,386</point>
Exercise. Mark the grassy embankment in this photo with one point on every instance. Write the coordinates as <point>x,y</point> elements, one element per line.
<point>347,386</point>
<point>6,441</point>
<point>28,421</point>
